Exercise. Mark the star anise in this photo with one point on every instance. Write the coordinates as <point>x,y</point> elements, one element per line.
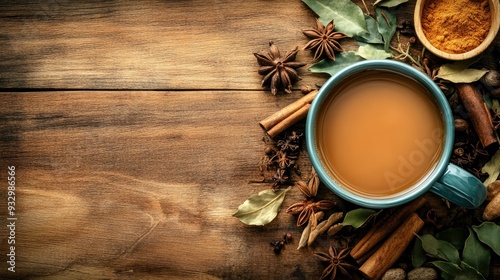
<point>324,40</point>
<point>308,207</point>
<point>336,262</point>
<point>278,71</point>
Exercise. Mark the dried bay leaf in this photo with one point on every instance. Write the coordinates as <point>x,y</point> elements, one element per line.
<point>455,236</point>
<point>418,257</point>
<point>260,209</point>
<point>386,25</point>
<point>451,271</point>
<point>439,248</point>
<point>357,217</point>
<point>488,233</point>
<point>389,3</point>
<point>458,72</point>
<point>342,60</point>
<point>492,167</point>
<point>476,254</point>
<point>373,52</point>
<point>373,36</point>
<point>347,16</point>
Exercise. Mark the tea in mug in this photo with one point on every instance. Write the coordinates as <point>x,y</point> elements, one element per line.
<point>379,133</point>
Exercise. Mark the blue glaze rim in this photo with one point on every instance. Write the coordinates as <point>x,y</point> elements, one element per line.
<point>398,199</point>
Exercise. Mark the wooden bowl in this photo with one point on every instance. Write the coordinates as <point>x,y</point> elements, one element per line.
<point>495,24</point>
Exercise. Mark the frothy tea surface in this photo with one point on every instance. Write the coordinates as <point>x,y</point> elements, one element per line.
<point>379,133</point>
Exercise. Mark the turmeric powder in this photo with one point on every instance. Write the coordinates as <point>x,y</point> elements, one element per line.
<point>456,26</point>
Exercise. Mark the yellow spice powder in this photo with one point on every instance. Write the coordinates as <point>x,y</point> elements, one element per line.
<point>456,26</point>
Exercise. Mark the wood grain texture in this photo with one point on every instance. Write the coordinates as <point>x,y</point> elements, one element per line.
<point>150,44</point>
<point>133,126</point>
<point>115,184</point>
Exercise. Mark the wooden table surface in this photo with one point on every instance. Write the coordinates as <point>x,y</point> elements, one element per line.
<point>133,128</point>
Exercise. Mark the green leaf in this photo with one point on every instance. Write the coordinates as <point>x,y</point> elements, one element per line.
<point>492,167</point>
<point>357,217</point>
<point>448,270</point>
<point>347,16</point>
<point>454,236</point>
<point>373,36</point>
<point>439,248</point>
<point>260,209</point>
<point>451,271</point>
<point>373,52</point>
<point>389,3</point>
<point>386,25</point>
<point>418,254</point>
<point>458,72</point>
<point>489,233</point>
<point>342,60</point>
<point>476,254</point>
<point>469,273</point>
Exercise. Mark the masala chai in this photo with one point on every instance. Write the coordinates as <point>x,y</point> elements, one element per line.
<point>379,133</point>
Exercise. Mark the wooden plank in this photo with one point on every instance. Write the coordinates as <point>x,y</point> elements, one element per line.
<point>116,184</point>
<point>148,44</point>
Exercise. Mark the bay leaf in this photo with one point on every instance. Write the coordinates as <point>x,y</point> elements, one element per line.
<point>370,51</point>
<point>458,72</point>
<point>347,16</point>
<point>260,209</point>
<point>448,270</point>
<point>439,248</point>
<point>489,233</point>
<point>342,60</point>
<point>492,167</point>
<point>373,36</point>
<point>389,3</point>
<point>451,271</point>
<point>418,257</point>
<point>455,236</point>
<point>476,254</point>
<point>357,217</point>
<point>386,25</point>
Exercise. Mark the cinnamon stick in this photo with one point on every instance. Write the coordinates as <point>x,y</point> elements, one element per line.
<point>479,113</point>
<point>288,110</point>
<point>384,227</point>
<point>390,251</point>
<point>289,121</point>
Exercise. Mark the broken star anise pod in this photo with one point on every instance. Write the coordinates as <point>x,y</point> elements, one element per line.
<point>336,263</point>
<point>278,71</point>
<point>307,208</point>
<point>324,40</point>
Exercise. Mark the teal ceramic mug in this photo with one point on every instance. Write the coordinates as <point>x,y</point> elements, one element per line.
<point>444,179</point>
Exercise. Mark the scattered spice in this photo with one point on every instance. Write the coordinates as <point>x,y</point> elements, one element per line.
<point>324,40</point>
<point>278,71</point>
<point>406,27</point>
<point>473,102</point>
<point>280,244</point>
<point>456,26</point>
<point>431,71</point>
<point>282,156</point>
<point>336,262</point>
<point>308,207</point>
<point>461,125</point>
<point>288,116</point>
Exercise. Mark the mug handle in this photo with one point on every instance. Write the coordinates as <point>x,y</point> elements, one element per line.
<point>460,187</point>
